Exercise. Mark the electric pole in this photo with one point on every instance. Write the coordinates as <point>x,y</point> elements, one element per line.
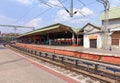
<point>105,28</point>
<point>71,9</point>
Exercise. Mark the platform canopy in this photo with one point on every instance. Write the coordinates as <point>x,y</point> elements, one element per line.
<point>49,29</point>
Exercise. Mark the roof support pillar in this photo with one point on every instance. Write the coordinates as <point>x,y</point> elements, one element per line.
<point>48,39</point>
<point>119,42</point>
<point>77,39</point>
<point>34,39</point>
<point>73,38</point>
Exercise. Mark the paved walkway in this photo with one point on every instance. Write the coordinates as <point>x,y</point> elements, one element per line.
<point>17,69</point>
<point>113,52</point>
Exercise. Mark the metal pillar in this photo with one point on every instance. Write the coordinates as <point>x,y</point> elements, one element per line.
<point>105,44</point>
<point>96,68</point>
<point>71,8</point>
<point>62,59</point>
<point>35,52</point>
<point>40,53</point>
<point>105,34</point>
<point>76,63</point>
<point>53,57</point>
<point>110,41</point>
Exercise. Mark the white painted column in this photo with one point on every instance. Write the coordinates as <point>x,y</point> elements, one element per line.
<point>77,39</point>
<point>73,38</point>
<point>86,42</point>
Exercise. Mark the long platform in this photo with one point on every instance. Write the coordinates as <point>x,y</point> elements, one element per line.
<point>112,56</point>
<point>113,52</point>
<point>14,68</point>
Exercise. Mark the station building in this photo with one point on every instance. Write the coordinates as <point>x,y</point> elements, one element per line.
<point>89,36</point>
<point>92,34</point>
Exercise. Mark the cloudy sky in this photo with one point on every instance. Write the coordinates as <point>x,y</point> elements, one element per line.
<point>40,13</point>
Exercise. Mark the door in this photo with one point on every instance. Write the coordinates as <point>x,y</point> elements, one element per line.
<point>93,43</point>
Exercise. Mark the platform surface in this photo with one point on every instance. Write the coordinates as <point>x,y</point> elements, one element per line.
<point>113,52</point>
<point>16,69</point>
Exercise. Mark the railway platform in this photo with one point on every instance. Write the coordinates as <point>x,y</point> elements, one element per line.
<point>113,52</point>
<point>15,68</point>
<point>112,56</point>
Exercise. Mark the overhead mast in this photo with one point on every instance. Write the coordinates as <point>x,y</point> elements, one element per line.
<point>71,8</point>
<point>106,44</point>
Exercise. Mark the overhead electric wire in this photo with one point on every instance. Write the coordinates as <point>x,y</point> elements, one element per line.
<point>84,5</point>
<point>38,15</point>
<point>63,6</point>
<point>25,14</point>
<point>82,2</point>
<point>50,4</point>
<point>43,2</point>
<point>42,13</point>
<point>46,3</point>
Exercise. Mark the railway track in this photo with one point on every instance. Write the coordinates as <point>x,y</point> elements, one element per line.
<point>80,73</point>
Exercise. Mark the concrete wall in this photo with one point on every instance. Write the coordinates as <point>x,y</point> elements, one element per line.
<point>113,23</point>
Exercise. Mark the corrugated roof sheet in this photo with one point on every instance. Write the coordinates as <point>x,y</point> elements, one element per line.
<point>76,30</point>
<point>40,30</point>
<point>113,13</point>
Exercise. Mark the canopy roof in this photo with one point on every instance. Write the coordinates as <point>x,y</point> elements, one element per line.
<point>76,30</point>
<point>51,28</point>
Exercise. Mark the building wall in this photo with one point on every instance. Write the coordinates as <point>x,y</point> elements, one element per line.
<point>113,23</point>
<point>87,40</point>
<point>114,26</point>
<point>116,34</point>
<point>116,39</point>
<point>90,29</point>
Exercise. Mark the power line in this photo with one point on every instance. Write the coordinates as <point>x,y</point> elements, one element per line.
<point>64,6</point>
<point>84,5</point>
<point>25,13</point>
<point>39,14</point>
<point>82,2</point>
<point>44,3</point>
<point>49,4</point>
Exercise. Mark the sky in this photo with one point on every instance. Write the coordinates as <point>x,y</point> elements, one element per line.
<point>41,13</point>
